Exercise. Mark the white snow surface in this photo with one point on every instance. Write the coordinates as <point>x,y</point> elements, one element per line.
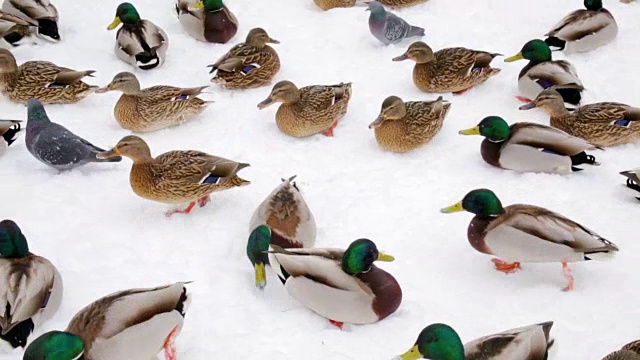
<point>103,238</point>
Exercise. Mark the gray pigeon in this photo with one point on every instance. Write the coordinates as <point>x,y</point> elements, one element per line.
<point>389,28</point>
<point>9,130</point>
<point>56,146</point>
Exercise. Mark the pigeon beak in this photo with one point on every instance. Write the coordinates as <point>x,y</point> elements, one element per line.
<point>401,57</point>
<point>108,154</point>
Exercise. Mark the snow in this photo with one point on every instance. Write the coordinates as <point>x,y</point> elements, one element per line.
<point>104,238</point>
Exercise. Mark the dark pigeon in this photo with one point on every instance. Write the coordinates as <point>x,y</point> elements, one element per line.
<point>56,146</point>
<point>389,28</point>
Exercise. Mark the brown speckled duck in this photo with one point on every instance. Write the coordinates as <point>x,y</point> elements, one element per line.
<point>42,80</point>
<point>527,233</point>
<point>176,177</point>
<point>631,351</point>
<point>309,110</point>
<point>343,286</point>
<point>153,108</point>
<point>603,124</point>
<point>404,126</point>
<point>453,70</point>
<point>531,147</point>
<point>133,324</point>
<point>331,4</point>
<point>248,65</point>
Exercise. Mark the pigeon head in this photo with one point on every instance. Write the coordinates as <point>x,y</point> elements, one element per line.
<point>376,8</point>
<point>35,111</point>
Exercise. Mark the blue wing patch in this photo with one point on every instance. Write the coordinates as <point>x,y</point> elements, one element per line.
<point>622,122</point>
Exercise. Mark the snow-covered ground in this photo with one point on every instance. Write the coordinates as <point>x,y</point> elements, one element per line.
<point>104,238</point>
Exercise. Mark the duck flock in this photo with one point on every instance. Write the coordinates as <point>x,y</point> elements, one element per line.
<point>344,285</point>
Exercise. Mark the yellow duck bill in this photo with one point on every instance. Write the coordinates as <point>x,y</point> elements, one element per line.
<point>515,57</point>
<point>453,208</point>
<point>472,131</point>
<point>114,24</point>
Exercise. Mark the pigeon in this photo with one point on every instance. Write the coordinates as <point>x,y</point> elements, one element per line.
<point>389,28</point>
<point>55,145</point>
<point>9,130</point>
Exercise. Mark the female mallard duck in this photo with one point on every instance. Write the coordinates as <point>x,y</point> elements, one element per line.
<point>542,73</point>
<point>309,110</point>
<point>604,124</point>
<point>404,126</point>
<point>133,324</point>
<point>15,31</point>
<point>140,43</point>
<point>154,108</point>
<point>207,20</point>
<point>30,290</point>
<point>289,224</point>
<point>631,351</point>
<point>330,4</point>
<point>43,80</point>
<point>9,130</point>
<point>40,11</point>
<point>176,177</point>
<point>527,233</point>
<point>530,147</point>
<point>442,342</point>
<point>340,285</point>
<point>247,65</point>
<point>584,30</point>
<point>633,179</point>
<point>453,70</point>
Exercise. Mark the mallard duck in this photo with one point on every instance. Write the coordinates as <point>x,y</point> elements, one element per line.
<point>442,342</point>
<point>309,110</point>
<point>153,108</point>
<point>453,70</point>
<point>331,4</point>
<point>542,73</point>
<point>43,80</point>
<point>633,179</point>
<point>140,43</point>
<point>176,177</point>
<point>631,351</point>
<point>530,147</point>
<point>528,233</point>
<point>340,285</point>
<point>9,130</point>
<point>133,324</point>
<point>15,31</point>
<point>247,65</point>
<point>284,219</point>
<point>41,11</point>
<point>404,126</point>
<point>583,30</point>
<point>30,287</point>
<point>603,124</point>
<point>207,20</point>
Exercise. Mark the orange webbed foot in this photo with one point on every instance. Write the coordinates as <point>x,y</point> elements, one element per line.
<point>506,267</point>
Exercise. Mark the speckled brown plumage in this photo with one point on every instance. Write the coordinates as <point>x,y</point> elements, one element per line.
<point>248,65</point>
<point>284,214</point>
<point>593,122</point>
<point>176,176</point>
<point>408,125</point>
<point>630,351</point>
<point>448,70</point>
<point>153,108</point>
<point>309,110</point>
<point>43,80</point>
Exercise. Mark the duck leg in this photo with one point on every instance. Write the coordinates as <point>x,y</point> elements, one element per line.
<point>185,211</point>
<point>329,132</point>
<point>568,276</point>
<point>337,324</point>
<point>462,91</point>
<point>524,99</point>
<point>506,267</point>
<point>204,201</point>
<point>169,346</point>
